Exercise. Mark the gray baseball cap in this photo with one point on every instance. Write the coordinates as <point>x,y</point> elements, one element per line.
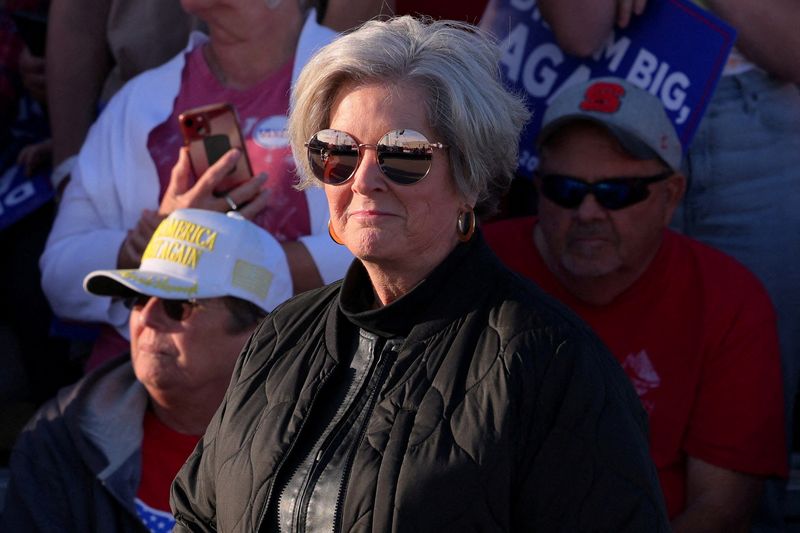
<point>634,116</point>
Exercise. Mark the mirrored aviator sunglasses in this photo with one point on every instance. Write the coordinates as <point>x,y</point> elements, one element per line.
<point>177,310</point>
<point>613,193</point>
<point>404,156</point>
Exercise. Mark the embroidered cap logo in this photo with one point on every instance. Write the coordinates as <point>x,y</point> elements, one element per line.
<point>603,97</point>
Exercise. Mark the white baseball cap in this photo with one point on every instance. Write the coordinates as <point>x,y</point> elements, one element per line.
<point>203,254</point>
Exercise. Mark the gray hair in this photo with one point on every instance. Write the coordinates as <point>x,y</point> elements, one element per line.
<point>455,63</point>
<point>244,315</point>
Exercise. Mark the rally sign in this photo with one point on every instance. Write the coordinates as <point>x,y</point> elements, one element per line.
<point>675,50</point>
<point>21,194</point>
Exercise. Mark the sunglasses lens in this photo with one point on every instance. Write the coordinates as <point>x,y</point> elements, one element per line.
<point>333,156</point>
<point>563,190</point>
<point>619,194</point>
<point>140,300</point>
<point>614,195</point>
<point>177,309</point>
<point>404,156</point>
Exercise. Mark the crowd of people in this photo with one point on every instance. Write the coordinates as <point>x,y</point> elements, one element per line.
<point>359,335</point>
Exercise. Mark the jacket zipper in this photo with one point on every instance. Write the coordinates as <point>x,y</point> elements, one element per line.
<point>288,453</point>
<point>387,359</point>
<point>331,435</point>
<point>373,384</point>
<point>331,441</point>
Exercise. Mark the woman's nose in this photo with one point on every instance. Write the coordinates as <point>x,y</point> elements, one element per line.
<point>368,175</point>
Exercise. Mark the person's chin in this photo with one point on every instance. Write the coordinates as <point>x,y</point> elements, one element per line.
<point>374,244</point>
<point>584,265</point>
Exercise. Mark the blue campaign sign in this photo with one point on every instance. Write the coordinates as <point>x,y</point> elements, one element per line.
<point>675,50</point>
<point>21,194</point>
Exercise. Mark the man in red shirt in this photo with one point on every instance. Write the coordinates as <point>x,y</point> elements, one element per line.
<point>693,329</point>
<point>102,455</point>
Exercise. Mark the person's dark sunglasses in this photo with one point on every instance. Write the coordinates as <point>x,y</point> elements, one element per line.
<point>177,310</point>
<point>404,156</point>
<point>614,193</point>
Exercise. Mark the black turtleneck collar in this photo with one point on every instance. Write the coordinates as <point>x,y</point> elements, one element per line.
<point>399,317</point>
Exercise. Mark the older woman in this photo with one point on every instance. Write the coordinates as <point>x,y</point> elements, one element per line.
<point>131,171</point>
<point>431,389</point>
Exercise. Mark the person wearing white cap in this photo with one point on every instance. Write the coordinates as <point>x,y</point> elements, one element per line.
<point>693,329</point>
<point>102,454</point>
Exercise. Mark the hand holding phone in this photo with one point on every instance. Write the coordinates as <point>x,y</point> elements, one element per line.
<point>185,192</point>
<point>209,132</point>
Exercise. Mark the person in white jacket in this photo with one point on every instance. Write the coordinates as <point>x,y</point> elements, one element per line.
<point>127,179</point>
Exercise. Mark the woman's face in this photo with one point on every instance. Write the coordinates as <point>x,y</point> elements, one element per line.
<point>400,227</point>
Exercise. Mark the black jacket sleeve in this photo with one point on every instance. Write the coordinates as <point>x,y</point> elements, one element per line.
<point>583,451</point>
<point>193,496</point>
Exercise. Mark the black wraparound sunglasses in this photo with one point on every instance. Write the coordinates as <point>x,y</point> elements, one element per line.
<point>404,156</point>
<point>177,310</point>
<point>612,193</point>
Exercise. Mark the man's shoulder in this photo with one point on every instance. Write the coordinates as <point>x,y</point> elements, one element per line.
<point>520,308</point>
<point>712,264</point>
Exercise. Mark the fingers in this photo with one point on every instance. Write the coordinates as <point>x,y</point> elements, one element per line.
<point>247,196</point>
<point>255,206</point>
<point>150,221</point>
<point>181,174</point>
<point>246,193</point>
<point>180,181</point>
<point>624,11</point>
<point>627,8</point>
<point>137,239</point>
<point>218,171</point>
<point>130,253</point>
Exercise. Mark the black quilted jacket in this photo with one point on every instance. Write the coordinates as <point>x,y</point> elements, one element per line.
<point>502,412</point>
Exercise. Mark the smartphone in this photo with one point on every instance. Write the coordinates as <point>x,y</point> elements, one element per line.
<point>209,132</point>
<point>32,27</point>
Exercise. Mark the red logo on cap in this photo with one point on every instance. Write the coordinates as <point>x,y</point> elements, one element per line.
<point>603,97</point>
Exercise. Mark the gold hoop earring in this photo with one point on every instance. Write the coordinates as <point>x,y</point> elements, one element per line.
<point>335,238</point>
<point>465,225</point>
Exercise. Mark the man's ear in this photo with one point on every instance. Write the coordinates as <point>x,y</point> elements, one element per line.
<point>675,189</point>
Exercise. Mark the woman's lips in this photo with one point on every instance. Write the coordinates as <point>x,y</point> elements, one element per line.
<point>368,214</point>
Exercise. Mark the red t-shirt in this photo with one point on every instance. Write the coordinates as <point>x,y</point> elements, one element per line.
<point>164,451</point>
<point>696,334</point>
<point>262,111</point>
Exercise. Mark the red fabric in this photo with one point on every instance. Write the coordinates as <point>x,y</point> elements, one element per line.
<point>109,344</point>
<point>464,10</point>
<point>262,111</point>
<point>697,336</point>
<point>164,451</point>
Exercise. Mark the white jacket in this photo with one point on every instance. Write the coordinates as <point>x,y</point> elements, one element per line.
<point>115,178</point>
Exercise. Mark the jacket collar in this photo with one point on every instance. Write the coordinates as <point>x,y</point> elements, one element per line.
<point>455,286</point>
